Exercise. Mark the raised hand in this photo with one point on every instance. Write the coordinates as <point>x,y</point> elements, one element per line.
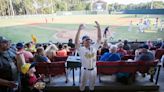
<point>97,24</point>
<point>81,26</point>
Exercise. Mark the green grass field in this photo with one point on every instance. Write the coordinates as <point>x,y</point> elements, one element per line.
<point>61,28</point>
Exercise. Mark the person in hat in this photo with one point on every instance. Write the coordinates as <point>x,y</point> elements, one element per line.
<point>88,54</point>
<point>8,69</point>
<point>29,78</point>
<point>27,55</point>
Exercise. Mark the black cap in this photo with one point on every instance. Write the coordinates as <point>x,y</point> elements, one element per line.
<point>19,45</point>
<point>145,46</point>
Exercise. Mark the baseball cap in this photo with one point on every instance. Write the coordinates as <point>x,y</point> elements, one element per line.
<point>145,46</point>
<point>25,68</point>
<point>3,39</point>
<point>19,45</point>
<point>85,38</point>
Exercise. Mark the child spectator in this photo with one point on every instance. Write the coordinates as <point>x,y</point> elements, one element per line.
<point>29,78</point>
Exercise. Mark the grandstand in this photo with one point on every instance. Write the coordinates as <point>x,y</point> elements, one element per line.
<point>44,32</point>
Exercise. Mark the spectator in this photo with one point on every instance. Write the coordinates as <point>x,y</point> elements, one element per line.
<point>126,45</point>
<point>8,69</point>
<point>40,56</point>
<point>65,46</point>
<point>105,48</point>
<point>145,55</point>
<point>27,55</point>
<point>113,56</point>
<point>149,43</point>
<point>30,47</point>
<point>70,43</point>
<point>120,50</point>
<point>61,52</point>
<point>158,43</point>
<point>162,46</point>
<point>29,78</point>
<point>51,51</point>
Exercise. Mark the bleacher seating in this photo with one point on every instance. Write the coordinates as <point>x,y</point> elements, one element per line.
<point>109,68</point>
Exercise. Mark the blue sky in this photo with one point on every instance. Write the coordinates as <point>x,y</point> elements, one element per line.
<point>130,1</point>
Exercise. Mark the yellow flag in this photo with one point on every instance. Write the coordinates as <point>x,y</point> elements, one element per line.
<point>34,39</point>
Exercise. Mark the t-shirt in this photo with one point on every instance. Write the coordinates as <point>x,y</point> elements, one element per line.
<point>122,52</point>
<point>39,58</point>
<point>27,55</point>
<point>32,80</point>
<point>88,56</point>
<point>8,69</point>
<point>62,52</point>
<point>114,57</point>
<point>105,56</point>
<point>146,56</point>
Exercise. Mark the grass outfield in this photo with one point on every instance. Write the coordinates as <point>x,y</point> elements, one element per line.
<point>64,27</point>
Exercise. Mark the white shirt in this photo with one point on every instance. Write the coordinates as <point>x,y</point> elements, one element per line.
<point>88,56</point>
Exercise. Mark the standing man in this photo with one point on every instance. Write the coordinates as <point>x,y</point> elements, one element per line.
<point>8,69</point>
<point>88,53</point>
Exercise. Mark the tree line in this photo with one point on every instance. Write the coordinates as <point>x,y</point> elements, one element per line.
<point>23,7</point>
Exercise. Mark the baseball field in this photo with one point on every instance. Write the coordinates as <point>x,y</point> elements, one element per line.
<point>61,28</point>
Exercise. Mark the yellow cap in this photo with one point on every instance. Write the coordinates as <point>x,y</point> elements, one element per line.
<point>25,68</point>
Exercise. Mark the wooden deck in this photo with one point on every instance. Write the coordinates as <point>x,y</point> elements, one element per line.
<point>108,84</point>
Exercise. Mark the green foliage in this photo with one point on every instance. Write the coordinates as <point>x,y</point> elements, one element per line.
<point>21,7</point>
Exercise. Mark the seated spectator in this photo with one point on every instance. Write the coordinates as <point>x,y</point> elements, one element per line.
<point>158,43</point>
<point>120,50</point>
<point>105,56</point>
<point>28,78</point>
<point>61,52</point>
<point>40,56</point>
<point>137,52</point>
<point>51,51</point>
<point>113,56</point>
<point>162,46</point>
<point>65,46</point>
<point>145,55</point>
<point>27,55</point>
<point>135,45</point>
<point>70,43</point>
<point>126,45</point>
<point>105,48</point>
<point>30,47</point>
<point>149,43</point>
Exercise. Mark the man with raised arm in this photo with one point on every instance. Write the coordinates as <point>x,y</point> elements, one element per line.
<point>87,53</point>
